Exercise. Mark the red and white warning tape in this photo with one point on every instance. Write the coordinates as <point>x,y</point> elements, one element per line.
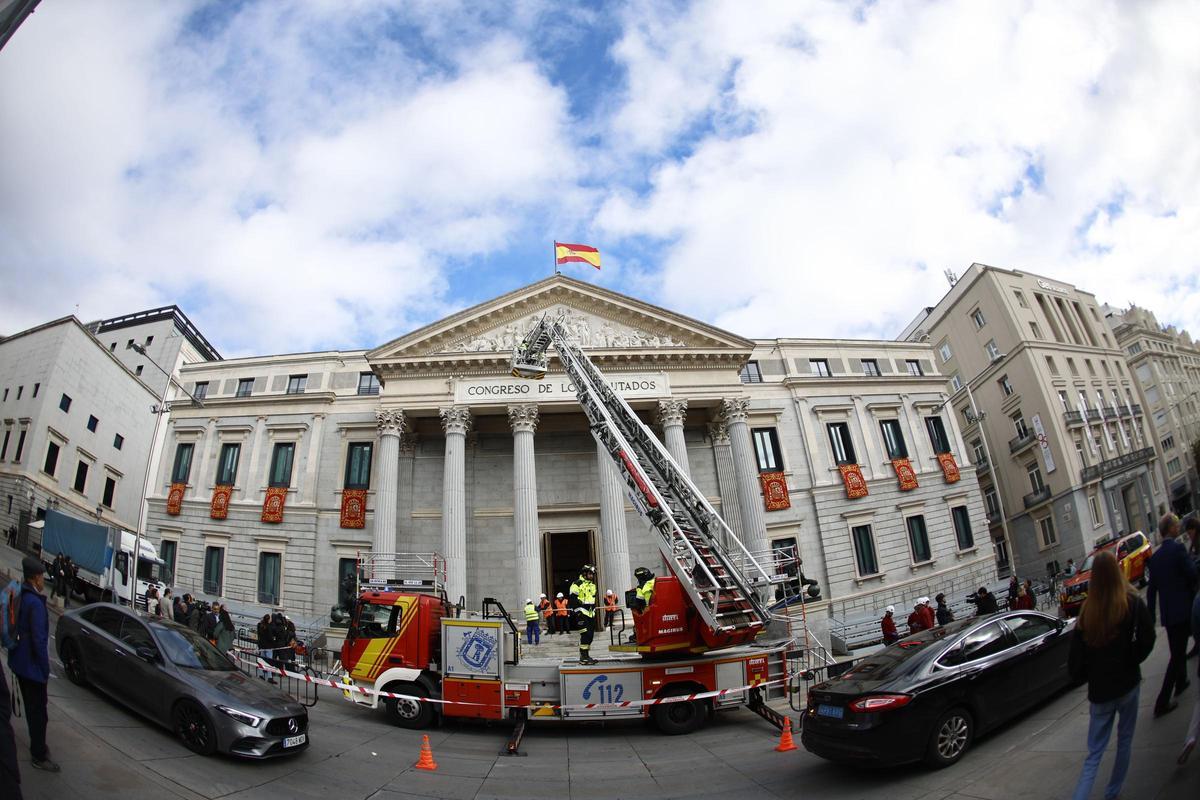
<point>363,690</point>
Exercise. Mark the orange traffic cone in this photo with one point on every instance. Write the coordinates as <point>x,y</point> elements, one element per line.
<point>785,740</point>
<point>426,760</point>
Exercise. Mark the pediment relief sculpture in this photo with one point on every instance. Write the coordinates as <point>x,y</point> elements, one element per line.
<point>586,330</point>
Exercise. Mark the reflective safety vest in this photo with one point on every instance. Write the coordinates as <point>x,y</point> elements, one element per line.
<point>531,613</point>
<point>585,591</point>
<point>560,607</point>
<point>646,590</point>
<point>546,608</point>
<point>610,602</point>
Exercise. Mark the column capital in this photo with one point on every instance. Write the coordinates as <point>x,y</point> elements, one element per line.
<point>523,418</point>
<point>719,433</point>
<point>408,443</point>
<point>735,409</point>
<point>672,411</point>
<point>391,421</point>
<point>455,419</point>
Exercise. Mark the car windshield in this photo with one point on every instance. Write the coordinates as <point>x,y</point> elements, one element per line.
<point>1087,563</point>
<point>905,655</point>
<point>186,648</point>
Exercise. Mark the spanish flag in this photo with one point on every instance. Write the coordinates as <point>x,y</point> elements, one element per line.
<point>566,253</point>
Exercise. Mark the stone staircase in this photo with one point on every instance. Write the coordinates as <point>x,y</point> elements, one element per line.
<point>565,647</point>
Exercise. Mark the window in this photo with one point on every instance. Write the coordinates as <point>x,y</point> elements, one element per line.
<point>1173,466</point>
<point>1035,330</point>
<point>1134,349</point>
<point>1107,371</point>
<point>112,348</point>
<point>110,488</point>
<point>281,464</point>
<point>983,643</point>
<point>368,383</point>
<point>945,352</point>
<point>1046,531</point>
<point>358,465</point>
<point>64,403</point>
<point>1152,396</point>
<point>1006,386</point>
<point>81,473</point>
<point>166,551</point>
<point>962,527</point>
<point>956,382</point>
<point>1035,477</point>
<point>1051,365</point>
<point>1020,299</point>
<point>913,367</point>
<point>228,464</point>
<point>937,434</point>
<point>1168,443</point>
<point>992,503</point>
<point>864,550</point>
<point>992,351</point>
<point>20,446</point>
<point>107,619</point>
<point>918,539</point>
<point>819,366</point>
<point>6,395</point>
<point>118,441</point>
<point>92,423</point>
<point>268,578</point>
<point>1087,362</point>
<point>750,373</point>
<point>129,344</point>
<point>766,449</point>
<point>183,463</point>
<point>978,319</point>
<point>1020,426</point>
<point>1064,399</point>
<point>149,341</point>
<point>347,583</point>
<point>1028,628</point>
<point>1094,506</point>
<point>893,438</point>
<point>4,448</point>
<point>20,391</point>
<point>296,384</point>
<point>214,566</point>
<point>201,390</point>
<point>870,367</point>
<point>138,370</point>
<point>840,444</point>
<point>51,458</point>
<point>977,451</point>
<point>1072,368</point>
<point>245,387</point>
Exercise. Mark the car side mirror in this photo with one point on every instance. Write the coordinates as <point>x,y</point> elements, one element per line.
<point>1060,624</point>
<point>147,654</point>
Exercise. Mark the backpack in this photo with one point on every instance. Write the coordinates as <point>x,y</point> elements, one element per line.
<point>10,604</point>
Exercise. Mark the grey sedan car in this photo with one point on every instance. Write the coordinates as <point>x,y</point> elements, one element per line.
<point>175,677</point>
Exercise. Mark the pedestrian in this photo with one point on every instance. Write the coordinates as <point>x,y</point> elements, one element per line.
<point>70,570</point>
<point>152,601</point>
<point>30,659</point>
<point>10,773</point>
<point>166,606</point>
<point>610,608</point>
<point>1070,570</point>
<point>1029,590</point>
<point>56,575</point>
<point>916,620</point>
<point>583,596</point>
<point>944,615</point>
<point>223,631</point>
<point>1114,635</point>
<point>1172,584</point>
<point>207,623</point>
<point>888,626</point>
<point>1014,586</point>
<point>195,614</point>
<point>985,602</point>
<point>546,609</point>
<point>1024,601</point>
<point>560,614</point>
<point>1189,742</point>
<point>927,613</point>
<point>181,608</point>
<point>532,629</point>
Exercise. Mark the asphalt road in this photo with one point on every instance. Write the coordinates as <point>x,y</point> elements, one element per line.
<point>106,751</point>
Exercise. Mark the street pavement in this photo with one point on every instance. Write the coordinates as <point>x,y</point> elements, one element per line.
<point>108,752</point>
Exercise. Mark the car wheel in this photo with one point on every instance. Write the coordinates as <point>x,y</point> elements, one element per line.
<point>408,713</point>
<point>952,734</point>
<point>194,728</point>
<point>72,662</point>
<point>681,717</point>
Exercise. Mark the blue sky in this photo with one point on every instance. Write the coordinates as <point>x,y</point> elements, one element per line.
<point>324,174</point>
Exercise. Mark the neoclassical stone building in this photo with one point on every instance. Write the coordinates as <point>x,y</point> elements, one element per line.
<point>297,463</point>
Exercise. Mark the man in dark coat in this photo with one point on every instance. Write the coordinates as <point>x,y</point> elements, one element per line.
<point>1172,584</point>
<point>30,659</point>
<point>985,603</point>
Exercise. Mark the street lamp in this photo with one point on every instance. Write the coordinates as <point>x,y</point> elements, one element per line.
<point>980,416</point>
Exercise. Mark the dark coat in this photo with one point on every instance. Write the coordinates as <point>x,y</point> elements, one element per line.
<point>986,605</point>
<point>888,625</point>
<point>1172,583</point>
<point>944,615</point>
<point>1112,671</point>
<point>30,659</point>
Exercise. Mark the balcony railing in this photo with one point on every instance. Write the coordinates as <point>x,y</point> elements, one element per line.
<point>1110,413</point>
<point>1073,417</point>
<point>1094,415</point>
<point>1137,409</point>
<point>1019,443</point>
<point>993,517</point>
<point>1034,498</point>
<point>982,464</point>
<point>1118,464</point>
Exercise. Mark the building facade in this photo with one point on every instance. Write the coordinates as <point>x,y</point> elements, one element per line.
<point>297,464</point>
<point>1165,363</point>
<point>1049,414</point>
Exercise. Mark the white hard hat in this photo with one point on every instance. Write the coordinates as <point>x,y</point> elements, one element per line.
<point>543,594</point>
<point>610,591</point>
<point>528,600</point>
<point>559,595</point>
<point>923,601</point>
<point>890,609</point>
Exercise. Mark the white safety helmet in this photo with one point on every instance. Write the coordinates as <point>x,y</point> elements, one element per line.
<point>542,596</point>
<point>890,610</point>
<point>527,600</point>
<point>923,601</point>
<point>610,591</point>
<point>559,595</point>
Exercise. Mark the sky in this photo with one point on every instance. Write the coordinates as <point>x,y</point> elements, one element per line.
<point>331,174</point>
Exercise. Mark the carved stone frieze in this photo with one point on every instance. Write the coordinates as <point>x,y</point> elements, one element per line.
<point>586,330</point>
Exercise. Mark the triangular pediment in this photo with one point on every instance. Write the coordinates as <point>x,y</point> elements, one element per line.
<point>599,320</point>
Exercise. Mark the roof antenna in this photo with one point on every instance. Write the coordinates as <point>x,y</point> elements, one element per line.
<point>951,278</point>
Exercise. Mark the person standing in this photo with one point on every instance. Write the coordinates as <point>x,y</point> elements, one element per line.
<point>223,632</point>
<point>985,602</point>
<point>888,626</point>
<point>1114,635</point>
<point>1024,601</point>
<point>166,606</point>
<point>944,615</point>
<point>1172,584</point>
<point>560,614</point>
<point>532,629</point>
<point>583,596</point>
<point>1070,570</point>
<point>610,608</point>
<point>916,620</point>
<point>1014,587</point>
<point>927,614</point>
<point>546,609</point>
<point>30,659</point>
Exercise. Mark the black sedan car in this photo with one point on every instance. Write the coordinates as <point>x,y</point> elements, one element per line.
<point>928,695</point>
<point>175,677</point>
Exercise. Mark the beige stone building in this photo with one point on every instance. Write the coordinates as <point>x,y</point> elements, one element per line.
<point>1049,411</point>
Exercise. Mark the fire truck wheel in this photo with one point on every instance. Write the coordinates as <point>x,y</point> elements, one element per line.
<point>679,718</point>
<point>408,713</point>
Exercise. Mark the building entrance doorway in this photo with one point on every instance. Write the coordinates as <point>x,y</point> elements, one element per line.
<point>565,552</point>
<point>1134,513</point>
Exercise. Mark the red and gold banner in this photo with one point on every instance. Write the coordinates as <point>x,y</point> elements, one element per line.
<point>852,477</point>
<point>775,491</point>
<point>354,508</point>
<point>273,504</point>
<point>949,467</point>
<point>904,472</point>
<point>219,508</point>
<point>175,499</point>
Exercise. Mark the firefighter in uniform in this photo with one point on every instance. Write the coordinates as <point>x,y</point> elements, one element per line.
<point>644,579</point>
<point>583,600</point>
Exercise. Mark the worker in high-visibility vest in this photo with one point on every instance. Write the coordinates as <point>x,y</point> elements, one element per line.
<point>645,587</point>
<point>533,631</point>
<point>610,608</point>
<point>583,599</point>
<point>546,609</point>
<point>560,614</point>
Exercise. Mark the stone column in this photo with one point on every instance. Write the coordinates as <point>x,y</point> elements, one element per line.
<point>257,478</point>
<point>456,421</point>
<point>312,462</point>
<point>670,417</point>
<point>524,420</point>
<point>391,424</point>
<point>754,524</point>
<point>615,570</point>
<point>200,475</point>
<point>726,478</point>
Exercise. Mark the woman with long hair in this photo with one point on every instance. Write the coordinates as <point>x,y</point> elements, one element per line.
<point>1113,636</point>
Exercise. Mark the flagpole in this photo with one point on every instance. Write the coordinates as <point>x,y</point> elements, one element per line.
<point>554,256</point>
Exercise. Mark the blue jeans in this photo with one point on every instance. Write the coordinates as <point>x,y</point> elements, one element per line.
<point>533,632</point>
<point>1124,709</point>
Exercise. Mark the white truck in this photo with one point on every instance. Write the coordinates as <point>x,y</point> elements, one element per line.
<point>103,556</point>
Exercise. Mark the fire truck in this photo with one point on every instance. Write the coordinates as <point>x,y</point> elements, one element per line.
<point>707,628</point>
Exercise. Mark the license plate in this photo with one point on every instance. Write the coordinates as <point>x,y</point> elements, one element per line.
<point>295,741</point>
<point>836,712</point>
